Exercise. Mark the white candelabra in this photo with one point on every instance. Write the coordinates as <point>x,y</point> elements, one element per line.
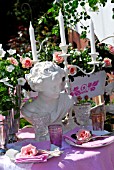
<point>64,48</point>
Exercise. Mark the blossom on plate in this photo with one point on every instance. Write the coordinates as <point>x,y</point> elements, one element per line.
<point>21,81</point>
<point>10,68</point>
<point>72,70</point>
<point>58,58</point>
<point>11,51</point>
<point>26,62</point>
<point>107,62</point>
<point>13,61</point>
<point>29,150</point>
<point>83,134</point>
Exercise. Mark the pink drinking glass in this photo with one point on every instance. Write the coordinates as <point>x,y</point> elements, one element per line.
<point>55,134</point>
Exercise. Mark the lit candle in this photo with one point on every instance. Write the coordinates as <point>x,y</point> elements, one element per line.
<point>92,38</point>
<point>62,30</point>
<point>33,42</point>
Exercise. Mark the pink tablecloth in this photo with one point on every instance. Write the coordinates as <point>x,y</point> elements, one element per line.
<point>73,158</point>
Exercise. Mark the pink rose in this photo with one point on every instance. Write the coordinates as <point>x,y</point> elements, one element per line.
<point>21,59</point>
<point>13,61</point>
<point>28,150</point>
<point>26,62</point>
<point>83,134</point>
<point>72,70</point>
<point>111,49</point>
<point>107,62</point>
<point>58,58</point>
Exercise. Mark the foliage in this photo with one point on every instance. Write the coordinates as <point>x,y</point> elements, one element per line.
<point>13,68</point>
<point>72,15</point>
<point>47,26</point>
<point>26,10</point>
<point>86,100</point>
<point>23,123</point>
<point>21,42</point>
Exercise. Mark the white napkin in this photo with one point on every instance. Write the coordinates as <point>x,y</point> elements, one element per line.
<point>42,157</point>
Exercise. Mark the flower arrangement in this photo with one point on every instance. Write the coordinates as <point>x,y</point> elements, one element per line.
<point>13,68</point>
<point>85,100</point>
<point>59,60</point>
<point>82,57</point>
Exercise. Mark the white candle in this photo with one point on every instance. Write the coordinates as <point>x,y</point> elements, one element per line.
<point>33,42</point>
<point>62,30</point>
<point>92,38</point>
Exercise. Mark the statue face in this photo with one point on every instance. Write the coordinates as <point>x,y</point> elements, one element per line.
<point>46,77</point>
<point>52,88</point>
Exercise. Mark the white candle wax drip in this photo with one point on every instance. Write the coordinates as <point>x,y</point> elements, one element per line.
<point>92,38</point>
<point>33,42</point>
<point>62,30</point>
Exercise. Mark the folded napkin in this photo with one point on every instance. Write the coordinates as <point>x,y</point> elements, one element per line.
<point>42,157</point>
<point>30,153</point>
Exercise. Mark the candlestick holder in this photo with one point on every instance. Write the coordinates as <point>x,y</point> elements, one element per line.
<point>65,55</point>
<point>94,57</point>
<point>40,48</point>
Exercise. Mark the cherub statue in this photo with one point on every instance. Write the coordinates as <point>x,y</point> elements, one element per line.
<point>46,78</point>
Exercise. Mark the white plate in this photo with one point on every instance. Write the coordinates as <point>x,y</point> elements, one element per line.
<point>89,144</point>
<point>100,133</point>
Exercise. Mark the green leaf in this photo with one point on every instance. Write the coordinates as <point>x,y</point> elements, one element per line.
<point>16,116</point>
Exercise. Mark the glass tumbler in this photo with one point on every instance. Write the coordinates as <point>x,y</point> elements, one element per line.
<point>40,125</point>
<point>97,121</point>
<point>4,132</point>
<point>55,134</point>
<point>82,114</point>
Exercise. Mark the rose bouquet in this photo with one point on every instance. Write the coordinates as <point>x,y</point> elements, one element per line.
<point>13,68</point>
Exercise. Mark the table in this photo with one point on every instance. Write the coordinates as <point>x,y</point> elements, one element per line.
<point>73,158</point>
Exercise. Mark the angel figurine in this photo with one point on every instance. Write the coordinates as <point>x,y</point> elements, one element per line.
<point>46,78</point>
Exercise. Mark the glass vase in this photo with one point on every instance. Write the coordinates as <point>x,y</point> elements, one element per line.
<point>13,117</point>
<point>4,134</point>
<point>82,114</point>
<point>40,125</point>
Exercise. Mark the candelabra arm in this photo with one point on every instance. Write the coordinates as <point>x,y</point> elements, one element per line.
<point>46,39</point>
<point>85,71</point>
